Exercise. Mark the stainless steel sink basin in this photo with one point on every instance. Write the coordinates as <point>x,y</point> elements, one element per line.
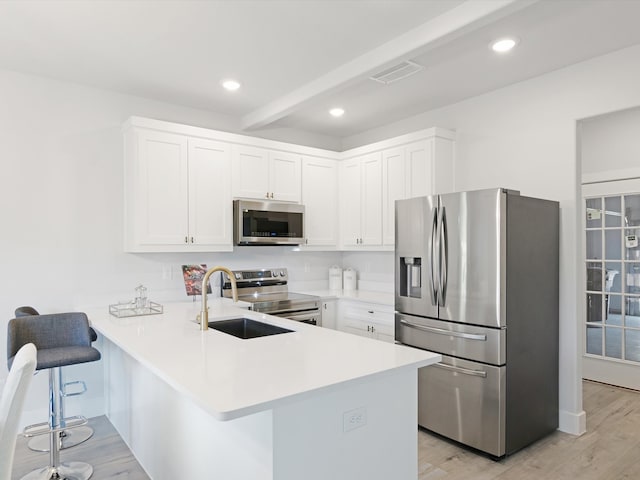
<point>246,328</point>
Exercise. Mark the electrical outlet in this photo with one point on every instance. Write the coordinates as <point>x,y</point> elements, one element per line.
<point>354,419</point>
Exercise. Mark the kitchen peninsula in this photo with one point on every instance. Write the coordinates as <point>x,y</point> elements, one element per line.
<point>313,403</point>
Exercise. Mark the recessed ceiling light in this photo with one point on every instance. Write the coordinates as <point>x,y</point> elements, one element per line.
<point>337,112</point>
<point>231,85</point>
<point>503,45</point>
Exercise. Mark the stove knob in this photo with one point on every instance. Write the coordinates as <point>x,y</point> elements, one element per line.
<point>238,276</point>
<point>282,274</point>
<point>274,273</point>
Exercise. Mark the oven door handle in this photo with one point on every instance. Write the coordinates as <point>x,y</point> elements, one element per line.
<point>301,317</point>
<point>442,331</point>
<point>464,371</point>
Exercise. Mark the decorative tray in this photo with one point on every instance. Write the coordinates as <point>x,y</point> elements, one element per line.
<point>129,309</point>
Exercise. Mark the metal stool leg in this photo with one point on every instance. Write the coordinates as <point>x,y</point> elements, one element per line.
<point>57,470</point>
<point>68,438</point>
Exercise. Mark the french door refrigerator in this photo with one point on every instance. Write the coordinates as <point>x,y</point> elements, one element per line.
<point>477,281</point>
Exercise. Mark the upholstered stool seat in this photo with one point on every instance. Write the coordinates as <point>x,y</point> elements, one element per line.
<point>72,437</point>
<point>61,339</point>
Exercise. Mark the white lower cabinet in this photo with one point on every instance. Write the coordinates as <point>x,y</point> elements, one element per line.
<point>177,193</point>
<point>329,313</point>
<point>366,319</point>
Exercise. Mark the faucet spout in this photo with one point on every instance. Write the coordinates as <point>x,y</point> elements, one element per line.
<point>204,311</point>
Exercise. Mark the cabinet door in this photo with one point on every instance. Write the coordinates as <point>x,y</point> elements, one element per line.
<point>210,193</point>
<point>320,199</point>
<point>371,207</point>
<point>419,163</point>
<point>394,187</point>
<point>250,172</point>
<point>285,177</point>
<point>160,187</point>
<point>350,202</point>
<point>329,314</point>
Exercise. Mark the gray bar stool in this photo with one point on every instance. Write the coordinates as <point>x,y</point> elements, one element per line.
<point>68,438</point>
<point>61,339</point>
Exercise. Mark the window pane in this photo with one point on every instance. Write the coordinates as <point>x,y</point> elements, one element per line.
<point>594,212</point>
<point>632,345</point>
<point>594,340</point>
<point>632,209</point>
<point>613,248</point>
<point>613,342</point>
<point>613,210</point>
<point>594,245</point>
<point>632,244</point>
<point>613,277</point>
<point>594,307</point>
<point>632,312</point>
<point>633,277</point>
<point>594,276</point>
<point>613,309</point>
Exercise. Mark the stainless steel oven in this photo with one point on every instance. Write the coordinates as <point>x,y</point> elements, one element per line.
<point>268,292</point>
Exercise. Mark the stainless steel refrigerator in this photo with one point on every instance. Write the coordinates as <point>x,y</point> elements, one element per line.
<point>477,281</point>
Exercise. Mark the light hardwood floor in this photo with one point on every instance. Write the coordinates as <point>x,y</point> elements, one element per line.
<point>610,450</point>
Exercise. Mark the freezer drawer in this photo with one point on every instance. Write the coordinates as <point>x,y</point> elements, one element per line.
<point>464,401</point>
<point>481,344</point>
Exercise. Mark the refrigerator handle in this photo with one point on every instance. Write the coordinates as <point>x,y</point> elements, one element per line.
<point>434,244</point>
<point>444,256</point>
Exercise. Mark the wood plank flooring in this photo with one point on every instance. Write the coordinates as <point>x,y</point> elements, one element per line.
<point>610,450</point>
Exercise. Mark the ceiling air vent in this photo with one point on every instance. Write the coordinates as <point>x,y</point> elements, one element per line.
<point>397,72</point>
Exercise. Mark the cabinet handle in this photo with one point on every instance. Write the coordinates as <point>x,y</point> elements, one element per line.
<point>267,195</point>
<point>186,240</point>
<point>325,306</point>
<point>373,329</point>
<point>271,194</point>
<point>370,311</point>
<point>191,239</point>
<point>368,328</point>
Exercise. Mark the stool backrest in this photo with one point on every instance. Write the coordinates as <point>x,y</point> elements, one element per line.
<point>56,330</point>
<point>12,402</point>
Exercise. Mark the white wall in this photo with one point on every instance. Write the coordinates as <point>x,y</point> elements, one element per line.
<point>524,137</point>
<point>611,146</point>
<point>61,200</point>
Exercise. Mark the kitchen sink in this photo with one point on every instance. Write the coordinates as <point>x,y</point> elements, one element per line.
<point>246,328</point>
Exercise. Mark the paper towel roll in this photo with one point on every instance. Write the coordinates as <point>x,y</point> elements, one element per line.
<point>335,277</point>
<point>349,276</point>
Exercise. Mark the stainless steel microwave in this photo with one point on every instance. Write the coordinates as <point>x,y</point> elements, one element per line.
<point>267,223</point>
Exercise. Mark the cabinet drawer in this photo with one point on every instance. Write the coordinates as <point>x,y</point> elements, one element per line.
<point>482,344</point>
<point>464,401</point>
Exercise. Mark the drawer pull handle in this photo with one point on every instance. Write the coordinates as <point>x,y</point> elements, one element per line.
<point>442,331</point>
<point>464,371</point>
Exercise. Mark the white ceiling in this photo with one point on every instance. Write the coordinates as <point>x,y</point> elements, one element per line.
<point>298,58</point>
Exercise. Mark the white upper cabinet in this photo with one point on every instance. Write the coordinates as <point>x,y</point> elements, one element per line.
<point>417,169</point>
<point>264,174</point>
<point>177,193</point>
<point>320,199</point>
<point>394,177</point>
<point>361,201</point>
<point>210,212</point>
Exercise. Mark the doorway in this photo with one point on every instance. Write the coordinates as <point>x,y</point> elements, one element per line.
<point>611,212</point>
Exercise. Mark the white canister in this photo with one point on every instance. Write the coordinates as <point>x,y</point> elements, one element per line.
<point>350,277</point>
<point>335,277</point>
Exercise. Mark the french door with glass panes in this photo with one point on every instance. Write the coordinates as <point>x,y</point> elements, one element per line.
<point>612,283</point>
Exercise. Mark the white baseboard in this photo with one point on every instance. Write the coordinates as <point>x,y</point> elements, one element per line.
<point>573,423</point>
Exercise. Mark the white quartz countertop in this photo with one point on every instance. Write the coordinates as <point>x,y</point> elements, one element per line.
<point>230,377</point>
<point>367,296</point>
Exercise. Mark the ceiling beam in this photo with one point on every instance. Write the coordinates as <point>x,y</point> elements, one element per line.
<point>468,16</point>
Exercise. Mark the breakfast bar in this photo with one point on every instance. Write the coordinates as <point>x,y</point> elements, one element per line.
<point>310,403</point>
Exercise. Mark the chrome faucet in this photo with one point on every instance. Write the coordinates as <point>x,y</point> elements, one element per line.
<point>204,313</point>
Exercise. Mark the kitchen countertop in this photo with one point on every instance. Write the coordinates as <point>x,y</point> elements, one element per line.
<point>230,377</point>
<point>381,298</point>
